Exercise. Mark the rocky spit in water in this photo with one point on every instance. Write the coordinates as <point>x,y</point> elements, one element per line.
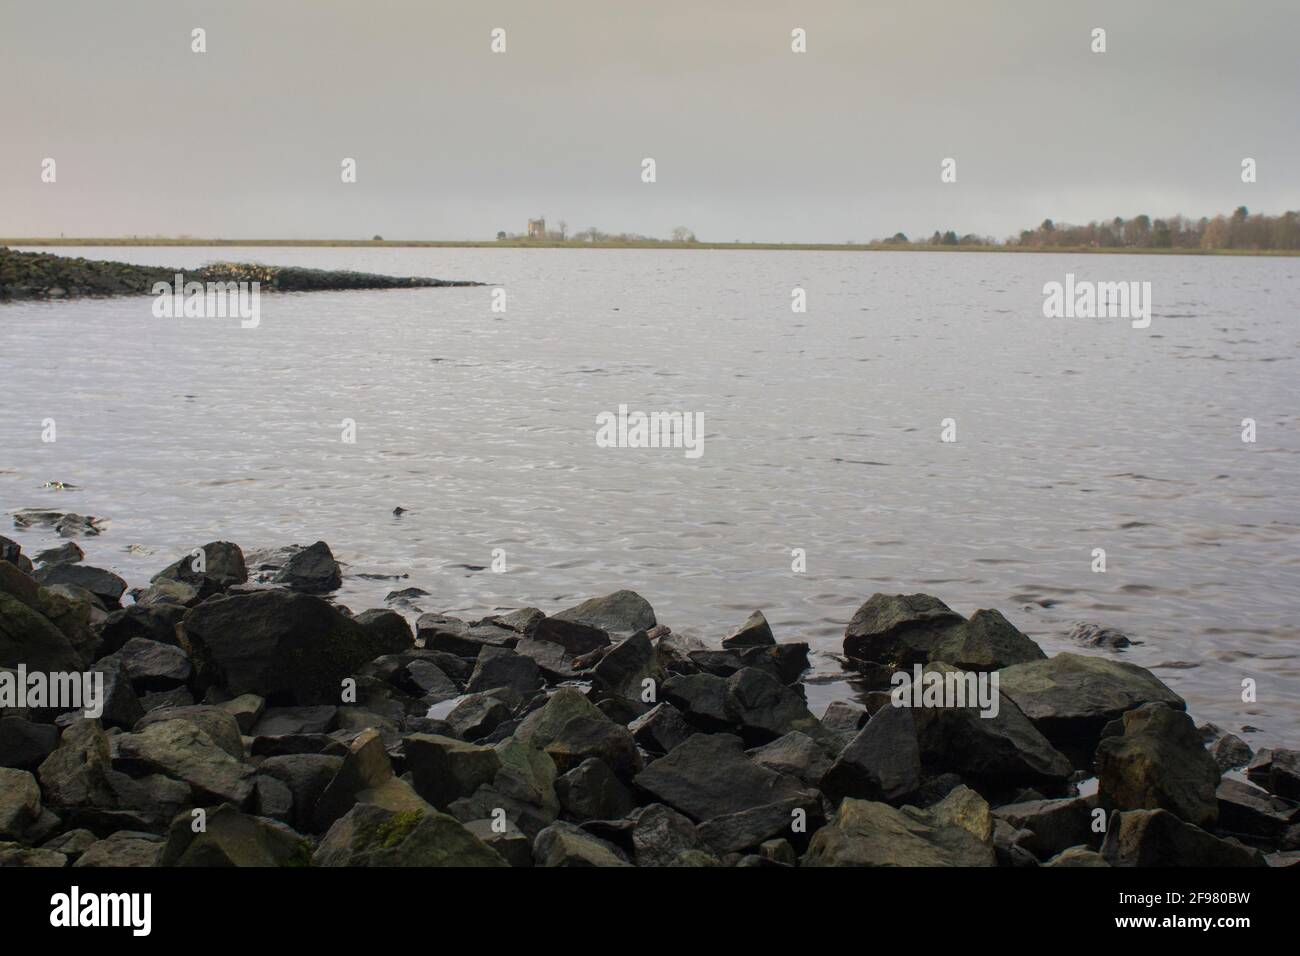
<point>37,275</point>
<point>595,736</point>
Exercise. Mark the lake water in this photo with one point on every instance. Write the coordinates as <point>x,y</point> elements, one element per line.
<point>822,432</point>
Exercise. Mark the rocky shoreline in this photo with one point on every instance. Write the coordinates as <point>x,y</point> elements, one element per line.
<point>248,720</point>
<point>38,275</point>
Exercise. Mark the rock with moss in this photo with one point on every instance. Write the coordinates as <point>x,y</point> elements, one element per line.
<point>230,838</point>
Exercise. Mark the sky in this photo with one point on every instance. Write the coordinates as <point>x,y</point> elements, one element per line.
<point>751,141</point>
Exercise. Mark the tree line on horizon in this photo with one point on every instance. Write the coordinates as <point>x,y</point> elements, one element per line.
<point>1241,230</point>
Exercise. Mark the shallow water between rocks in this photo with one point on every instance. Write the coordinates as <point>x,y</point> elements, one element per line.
<point>822,432</point>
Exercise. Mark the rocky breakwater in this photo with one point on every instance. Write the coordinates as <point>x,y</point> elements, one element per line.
<point>595,736</point>
<point>36,275</point>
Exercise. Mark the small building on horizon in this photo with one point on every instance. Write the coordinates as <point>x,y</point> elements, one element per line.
<point>536,228</point>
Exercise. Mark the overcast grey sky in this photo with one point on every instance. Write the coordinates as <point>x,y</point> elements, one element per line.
<point>752,141</point>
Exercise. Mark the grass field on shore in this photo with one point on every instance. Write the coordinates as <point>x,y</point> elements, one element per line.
<point>575,244</point>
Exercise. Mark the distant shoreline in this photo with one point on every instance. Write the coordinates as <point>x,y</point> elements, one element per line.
<point>573,244</point>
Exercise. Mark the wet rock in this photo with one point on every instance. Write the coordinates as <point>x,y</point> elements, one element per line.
<point>437,632</point>
<point>660,835</point>
<point>154,666</point>
<point>584,737</point>
<point>786,662</point>
<point>24,744</point>
<point>899,629</point>
<point>1277,771</point>
<point>1158,838</point>
<point>180,749</point>
<point>709,776</point>
<point>764,708</point>
<point>222,568</point>
<point>563,844</point>
<point>591,791</point>
<point>477,715</point>
<point>1052,825</point>
<point>660,729</point>
<point>863,833</point>
<point>20,802</point>
<point>312,570</point>
<point>1159,763</point>
<point>1230,752</point>
<point>154,622</point>
<point>386,627</point>
<point>231,838</point>
<point>755,632</point>
<point>10,550</point>
<point>747,830</point>
<point>289,648</point>
<point>794,755</point>
<point>505,838</point>
<point>628,669</point>
<point>883,762</point>
<point>1094,635</point>
<point>64,525</point>
<point>67,553</point>
<point>105,585</point>
<point>125,848</point>
<point>576,638</point>
<point>369,835</point>
<point>1070,697</point>
<point>1250,811</point>
<point>503,667</point>
<point>217,722</point>
<point>444,769</point>
<point>620,614</point>
<point>701,699</point>
<point>306,776</point>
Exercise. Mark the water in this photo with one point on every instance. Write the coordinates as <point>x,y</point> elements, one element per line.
<point>821,432</point>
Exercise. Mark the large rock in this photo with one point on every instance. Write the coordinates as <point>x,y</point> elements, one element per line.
<point>231,838</point>
<point>222,567</point>
<point>289,648</point>
<point>437,632</point>
<point>180,749</point>
<point>755,632</point>
<point>563,844</point>
<point>217,722</point>
<point>745,831</point>
<point>1158,838</point>
<point>864,833</point>
<point>660,835</point>
<point>306,776</point>
<point>660,729</point>
<point>27,637</point>
<point>766,709</point>
<point>709,775</point>
<point>1253,812</point>
<point>628,669</point>
<point>503,667</point>
<point>154,666</point>
<point>585,737</point>
<point>899,629</point>
<point>20,802</point>
<point>988,641</point>
<point>795,755</point>
<point>1277,771</point>
<point>105,585</point>
<point>882,763</point>
<point>591,791</point>
<point>1052,825</point>
<point>1071,697</point>
<point>370,835</point>
<point>24,744</point>
<point>444,769</point>
<point>701,699</point>
<point>541,727</point>
<point>311,569</point>
<point>622,613</point>
<point>574,637</point>
<point>1158,763</point>
<point>75,774</point>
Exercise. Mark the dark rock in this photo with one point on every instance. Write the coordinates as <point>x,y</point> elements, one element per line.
<point>591,791</point>
<point>437,632</point>
<point>563,844</point>
<point>125,848</point>
<point>477,715</point>
<point>154,666</point>
<point>575,637</point>
<point>247,710</point>
<point>555,663</point>
<point>883,762</point>
<point>1094,635</point>
<point>1159,763</point>
<point>765,709</point>
<point>156,699</point>
<point>660,835</point>
<point>231,838</point>
<point>27,637</point>
<point>287,745</point>
<point>312,570</point>
<point>217,722</point>
<point>1230,752</point>
<point>629,669</point>
<point>1077,856</point>
<point>24,744</point>
<point>786,662</point>
<point>1052,825</point>
<point>67,553</point>
<point>1277,771</point>
<point>120,707</point>
<point>1070,697</point>
<point>709,775</point>
<point>795,755</point>
<point>622,613</point>
<point>505,838</point>
<point>503,667</point>
<point>660,729</point>
<point>1158,838</point>
<point>286,721</point>
<point>105,585</point>
<point>443,769</point>
<point>749,829</point>
<point>1253,812</point>
<point>223,567</point>
<point>386,627</point>
<point>153,622</point>
<point>701,699</point>
<point>370,835</point>
<point>955,832</point>
<point>20,802</point>
<point>755,632</point>
<point>180,749</point>
<point>523,621</point>
<point>899,629</point>
<point>844,720</point>
<point>272,798</point>
<point>584,737</point>
<point>306,776</point>
<point>289,648</point>
<point>988,641</point>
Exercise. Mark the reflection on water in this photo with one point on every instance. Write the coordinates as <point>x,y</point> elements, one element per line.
<point>821,433</point>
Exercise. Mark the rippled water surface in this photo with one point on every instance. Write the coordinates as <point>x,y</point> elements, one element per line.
<point>822,433</point>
